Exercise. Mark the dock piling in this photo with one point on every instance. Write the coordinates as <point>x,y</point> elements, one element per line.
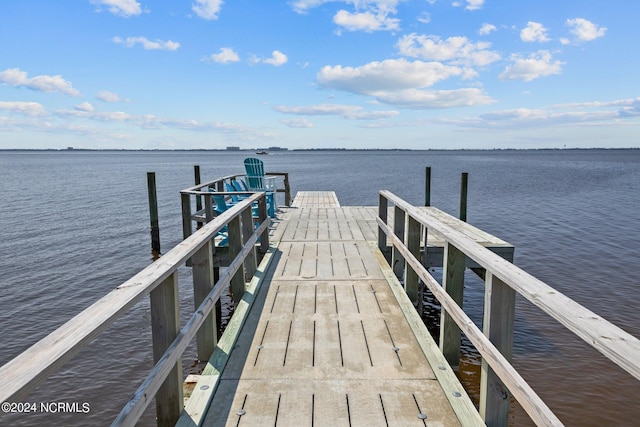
<point>153,214</point>
<point>464,179</point>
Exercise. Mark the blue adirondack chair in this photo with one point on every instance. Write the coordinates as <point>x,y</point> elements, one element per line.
<point>257,181</point>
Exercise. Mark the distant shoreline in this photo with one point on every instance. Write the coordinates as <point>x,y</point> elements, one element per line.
<point>145,150</point>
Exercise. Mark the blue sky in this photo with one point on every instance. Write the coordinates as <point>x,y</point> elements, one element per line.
<point>413,74</point>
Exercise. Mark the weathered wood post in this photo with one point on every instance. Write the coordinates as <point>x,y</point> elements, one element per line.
<point>463,196</point>
<point>453,283</point>
<point>383,206</point>
<point>203,282</point>
<point>498,325</point>
<point>427,186</point>
<point>262,216</point>
<point>187,229</point>
<point>250,264</point>
<point>235,246</point>
<point>196,176</point>
<point>287,190</point>
<point>165,326</point>
<point>153,214</point>
<point>412,241</point>
<point>397,260</point>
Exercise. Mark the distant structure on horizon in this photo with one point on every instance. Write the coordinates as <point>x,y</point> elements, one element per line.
<point>233,148</point>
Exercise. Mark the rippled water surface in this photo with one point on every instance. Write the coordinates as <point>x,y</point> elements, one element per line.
<point>74,225</point>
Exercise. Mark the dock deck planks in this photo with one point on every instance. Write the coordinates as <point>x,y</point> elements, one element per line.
<point>332,345</point>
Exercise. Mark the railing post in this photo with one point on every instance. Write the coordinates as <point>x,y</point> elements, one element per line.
<point>153,214</point>
<point>165,325</point>
<point>382,213</point>
<point>287,190</point>
<point>453,284</point>
<point>187,229</point>
<point>464,179</point>
<point>427,186</point>
<point>203,282</point>
<point>250,264</point>
<point>397,261</point>
<point>498,325</point>
<point>196,176</point>
<point>235,246</point>
<point>262,216</point>
<point>412,241</point>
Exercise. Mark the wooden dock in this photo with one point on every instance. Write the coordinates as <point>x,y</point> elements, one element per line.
<point>324,330</point>
<point>332,338</point>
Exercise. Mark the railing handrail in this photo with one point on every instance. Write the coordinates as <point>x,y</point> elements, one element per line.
<point>285,175</point>
<point>140,400</point>
<point>614,343</point>
<point>44,358</point>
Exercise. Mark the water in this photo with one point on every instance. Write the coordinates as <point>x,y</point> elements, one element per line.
<point>75,225</point>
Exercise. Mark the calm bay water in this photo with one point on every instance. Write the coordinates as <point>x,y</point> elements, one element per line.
<point>74,225</point>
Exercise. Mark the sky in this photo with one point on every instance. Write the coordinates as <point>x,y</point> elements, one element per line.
<point>411,74</point>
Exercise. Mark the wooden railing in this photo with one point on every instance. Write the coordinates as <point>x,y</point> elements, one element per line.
<point>160,281</point>
<point>218,185</point>
<point>502,280</point>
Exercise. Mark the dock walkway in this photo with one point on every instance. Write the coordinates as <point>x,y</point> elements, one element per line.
<point>331,338</point>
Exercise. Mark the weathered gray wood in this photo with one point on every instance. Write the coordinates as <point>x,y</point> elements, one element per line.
<point>382,214</point>
<point>412,242</point>
<point>136,406</point>
<point>203,282</point>
<point>196,178</point>
<point>453,284</point>
<point>248,227</point>
<point>397,261</point>
<point>464,183</point>
<point>455,393</point>
<point>263,217</point>
<point>524,394</point>
<point>235,245</point>
<point>187,229</point>
<point>499,314</point>
<point>42,359</point>
<point>153,214</point>
<point>165,324</point>
<point>427,186</point>
<point>617,345</point>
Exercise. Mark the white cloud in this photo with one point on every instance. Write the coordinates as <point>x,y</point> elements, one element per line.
<point>474,4</point>
<point>277,59</point>
<point>106,96</point>
<point>85,106</point>
<point>487,29</point>
<point>207,9</point>
<point>367,15</point>
<point>403,83</point>
<point>432,99</point>
<point>18,78</point>
<point>458,50</point>
<point>425,17</point>
<point>585,30</point>
<point>391,74</point>
<point>297,123</point>
<point>147,44</point>
<point>34,109</point>
<point>351,112</point>
<point>124,8</point>
<point>365,21</point>
<point>534,32</point>
<point>225,56</point>
<point>537,65</point>
<point>471,4</point>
